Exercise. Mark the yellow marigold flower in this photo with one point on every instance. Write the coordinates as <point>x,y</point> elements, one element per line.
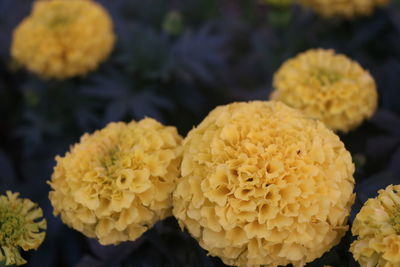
<point>63,38</point>
<point>263,185</point>
<point>377,226</point>
<point>116,183</point>
<point>343,8</point>
<point>327,86</point>
<point>21,226</point>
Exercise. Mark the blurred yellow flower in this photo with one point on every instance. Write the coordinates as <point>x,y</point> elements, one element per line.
<point>377,226</point>
<point>343,8</point>
<point>117,182</point>
<point>63,38</point>
<point>21,226</point>
<point>263,185</point>
<point>327,86</point>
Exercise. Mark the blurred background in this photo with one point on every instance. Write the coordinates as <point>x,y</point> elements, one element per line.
<point>175,60</point>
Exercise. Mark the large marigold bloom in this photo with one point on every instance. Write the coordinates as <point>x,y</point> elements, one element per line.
<point>117,182</point>
<point>377,226</point>
<point>263,185</point>
<point>343,8</point>
<point>63,38</point>
<point>327,86</point>
<point>21,226</point>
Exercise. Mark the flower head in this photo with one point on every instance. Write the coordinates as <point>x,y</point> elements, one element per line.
<point>328,87</point>
<point>263,185</point>
<point>117,182</point>
<point>63,38</point>
<point>343,8</point>
<point>377,226</point>
<point>21,226</point>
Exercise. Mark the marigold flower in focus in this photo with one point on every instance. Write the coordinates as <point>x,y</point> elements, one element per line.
<point>21,226</point>
<point>263,185</point>
<point>377,226</point>
<point>327,86</point>
<point>117,182</point>
<point>343,8</point>
<point>63,38</point>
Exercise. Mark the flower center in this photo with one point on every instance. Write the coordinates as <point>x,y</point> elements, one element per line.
<point>11,227</point>
<point>110,160</point>
<point>396,220</point>
<point>58,15</point>
<point>60,21</point>
<point>325,77</point>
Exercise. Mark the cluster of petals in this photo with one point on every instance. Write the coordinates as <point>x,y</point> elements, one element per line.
<point>264,185</point>
<point>327,86</point>
<point>344,8</point>
<point>117,182</point>
<point>21,226</point>
<point>63,38</point>
<point>377,226</point>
